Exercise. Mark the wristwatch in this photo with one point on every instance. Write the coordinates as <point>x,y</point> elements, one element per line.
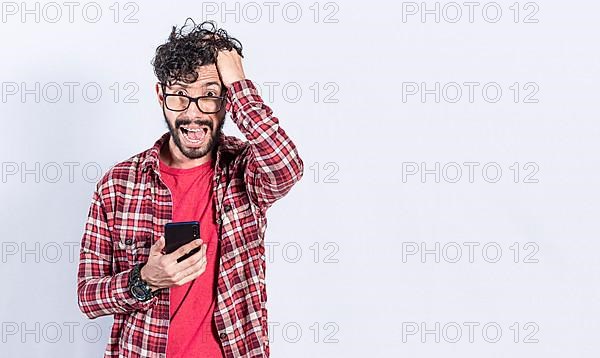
<point>138,287</point>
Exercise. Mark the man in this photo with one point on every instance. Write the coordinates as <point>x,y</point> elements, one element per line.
<point>211,304</point>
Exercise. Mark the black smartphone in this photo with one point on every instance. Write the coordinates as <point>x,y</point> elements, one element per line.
<point>180,233</point>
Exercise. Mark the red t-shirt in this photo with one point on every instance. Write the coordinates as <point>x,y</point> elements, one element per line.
<point>192,332</point>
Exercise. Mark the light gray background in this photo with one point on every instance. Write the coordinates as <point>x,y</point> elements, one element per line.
<point>364,291</point>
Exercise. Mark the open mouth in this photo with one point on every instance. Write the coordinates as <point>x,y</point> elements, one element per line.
<point>194,135</point>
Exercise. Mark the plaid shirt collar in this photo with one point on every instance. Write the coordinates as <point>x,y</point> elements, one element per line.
<point>226,148</point>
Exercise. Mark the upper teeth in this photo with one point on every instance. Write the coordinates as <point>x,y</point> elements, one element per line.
<point>193,130</point>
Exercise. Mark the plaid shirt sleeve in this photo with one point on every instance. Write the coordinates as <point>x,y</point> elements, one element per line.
<point>101,291</point>
<point>274,165</point>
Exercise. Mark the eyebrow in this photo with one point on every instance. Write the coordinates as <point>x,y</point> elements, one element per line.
<point>184,85</point>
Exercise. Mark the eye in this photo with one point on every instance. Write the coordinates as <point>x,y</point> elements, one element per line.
<point>211,94</point>
<point>180,92</point>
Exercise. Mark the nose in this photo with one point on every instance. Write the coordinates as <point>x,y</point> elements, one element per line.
<point>194,111</point>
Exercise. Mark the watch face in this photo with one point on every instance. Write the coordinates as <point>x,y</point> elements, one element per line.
<point>138,292</point>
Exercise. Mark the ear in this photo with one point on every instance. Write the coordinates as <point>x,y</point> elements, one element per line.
<point>159,93</point>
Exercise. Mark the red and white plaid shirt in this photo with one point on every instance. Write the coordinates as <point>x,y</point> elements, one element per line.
<point>131,205</point>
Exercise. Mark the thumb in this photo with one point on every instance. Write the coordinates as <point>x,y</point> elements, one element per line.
<point>158,246</point>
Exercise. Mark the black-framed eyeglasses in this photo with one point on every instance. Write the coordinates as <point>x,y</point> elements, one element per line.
<point>180,102</point>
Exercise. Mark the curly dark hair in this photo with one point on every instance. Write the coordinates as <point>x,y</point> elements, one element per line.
<point>189,47</point>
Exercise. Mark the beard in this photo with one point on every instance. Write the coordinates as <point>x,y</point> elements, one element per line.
<point>210,141</point>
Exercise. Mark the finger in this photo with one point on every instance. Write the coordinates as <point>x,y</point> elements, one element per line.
<point>193,275</point>
<point>191,270</point>
<point>158,246</point>
<point>190,265</point>
<point>192,260</point>
<point>172,257</point>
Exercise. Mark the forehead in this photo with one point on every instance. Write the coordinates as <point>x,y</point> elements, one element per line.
<point>208,76</point>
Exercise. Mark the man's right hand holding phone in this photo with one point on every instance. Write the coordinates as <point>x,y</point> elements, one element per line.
<point>163,271</point>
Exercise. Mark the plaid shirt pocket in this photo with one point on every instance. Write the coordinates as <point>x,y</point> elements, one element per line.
<point>130,250</point>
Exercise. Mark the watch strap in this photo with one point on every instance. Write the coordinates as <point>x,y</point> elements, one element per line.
<point>138,287</point>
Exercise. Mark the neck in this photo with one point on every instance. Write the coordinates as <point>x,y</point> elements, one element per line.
<point>173,157</point>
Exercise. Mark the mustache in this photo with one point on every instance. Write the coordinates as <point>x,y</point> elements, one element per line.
<point>200,122</point>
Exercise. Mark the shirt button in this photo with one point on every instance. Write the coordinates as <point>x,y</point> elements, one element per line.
<point>223,336</point>
<point>227,208</point>
<point>218,221</point>
<point>128,242</point>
